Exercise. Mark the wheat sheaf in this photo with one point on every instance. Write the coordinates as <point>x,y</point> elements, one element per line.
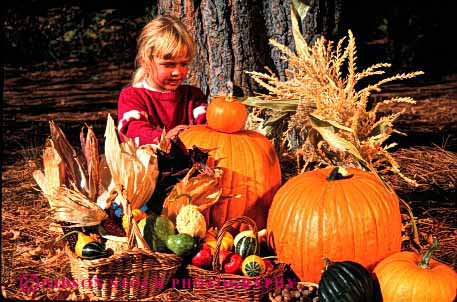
<point>326,113</point>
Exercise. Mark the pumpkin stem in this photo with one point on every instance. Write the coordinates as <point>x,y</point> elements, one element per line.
<point>230,90</point>
<point>328,262</point>
<point>425,260</point>
<point>189,198</point>
<point>338,173</point>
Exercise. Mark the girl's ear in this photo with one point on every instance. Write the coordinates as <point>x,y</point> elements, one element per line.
<point>140,60</point>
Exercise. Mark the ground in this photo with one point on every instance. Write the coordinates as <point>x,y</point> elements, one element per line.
<point>72,95</point>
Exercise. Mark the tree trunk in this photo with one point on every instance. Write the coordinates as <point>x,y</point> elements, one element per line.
<point>232,37</point>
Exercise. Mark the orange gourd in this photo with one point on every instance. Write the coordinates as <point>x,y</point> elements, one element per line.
<point>322,213</point>
<point>251,170</point>
<point>410,277</point>
<point>226,114</point>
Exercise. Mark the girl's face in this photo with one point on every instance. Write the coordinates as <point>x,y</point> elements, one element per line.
<point>168,74</point>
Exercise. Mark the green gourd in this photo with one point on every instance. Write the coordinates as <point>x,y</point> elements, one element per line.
<point>181,244</point>
<point>155,230</point>
<point>246,246</point>
<point>346,281</point>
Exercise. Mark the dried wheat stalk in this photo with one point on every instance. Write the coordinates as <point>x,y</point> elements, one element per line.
<point>331,124</point>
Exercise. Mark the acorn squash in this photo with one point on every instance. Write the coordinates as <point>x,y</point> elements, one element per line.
<point>346,281</point>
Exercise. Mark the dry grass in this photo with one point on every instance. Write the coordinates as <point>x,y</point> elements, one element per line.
<point>331,124</point>
<point>433,168</point>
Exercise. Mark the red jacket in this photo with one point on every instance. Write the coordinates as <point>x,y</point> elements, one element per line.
<point>144,113</point>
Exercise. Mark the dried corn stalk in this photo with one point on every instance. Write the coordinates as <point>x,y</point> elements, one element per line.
<point>74,168</point>
<point>204,191</point>
<point>327,118</point>
<point>53,175</point>
<point>73,207</point>
<point>134,169</point>
<point>89,146</point>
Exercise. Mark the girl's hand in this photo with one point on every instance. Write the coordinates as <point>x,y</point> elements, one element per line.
<point>175,131</point>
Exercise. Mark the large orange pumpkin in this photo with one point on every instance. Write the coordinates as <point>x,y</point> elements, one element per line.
<point>251,170</point>
<point>410,277</point>
<point>342,218</point>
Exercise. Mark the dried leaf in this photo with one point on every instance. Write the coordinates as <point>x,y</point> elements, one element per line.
<point>90,148</point>
<point>298,13</point>
<point>327,131</point>
<point>285,105</point>
<point>73,167</point>
<point>204,189</point>
<point>134,170</point>
<point>54,172</point>
<point>72,206</point>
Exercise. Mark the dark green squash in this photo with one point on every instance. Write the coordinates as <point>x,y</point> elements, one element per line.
<point>95,250</point>
<point>246,246</point>
<point>346,281</point>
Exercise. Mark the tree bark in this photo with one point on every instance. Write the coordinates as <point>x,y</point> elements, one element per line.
<point>233,36</point>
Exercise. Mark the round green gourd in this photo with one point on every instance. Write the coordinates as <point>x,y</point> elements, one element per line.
<point>155,231</point>
<point>246,246</point>
<point>346,281</point>
<point>181,244</point>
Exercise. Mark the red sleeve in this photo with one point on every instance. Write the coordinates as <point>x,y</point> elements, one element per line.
<point>133,118</point>
<point>197,106</point>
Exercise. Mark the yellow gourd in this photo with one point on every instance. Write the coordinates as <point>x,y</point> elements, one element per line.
<point>210,240</point>
<point>253,266</point>
<point>137,216</point>
<point>83,239</point>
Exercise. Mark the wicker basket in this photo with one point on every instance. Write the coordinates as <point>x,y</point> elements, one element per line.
<point>133,274</point>
<point>232,287</point>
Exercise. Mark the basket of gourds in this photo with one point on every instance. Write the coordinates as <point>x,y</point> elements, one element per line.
<point>135,273</point>
<point>82,192</point>
<point>238,275</point>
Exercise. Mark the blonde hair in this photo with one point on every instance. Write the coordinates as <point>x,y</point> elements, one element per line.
<point>165,37</point>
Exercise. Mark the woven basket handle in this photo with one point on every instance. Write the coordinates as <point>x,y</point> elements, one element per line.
<point>135,239</point>
<point>220,236</point>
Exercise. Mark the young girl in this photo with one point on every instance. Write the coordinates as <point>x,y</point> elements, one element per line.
<point>156,100</point>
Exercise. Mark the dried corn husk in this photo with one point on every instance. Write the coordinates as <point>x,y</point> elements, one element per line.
<point>204,190</point>
<point>74,207</point>
<point>133,169</point>
<point>73,167</point>
<point>89,146</point>
<point>53,175</point>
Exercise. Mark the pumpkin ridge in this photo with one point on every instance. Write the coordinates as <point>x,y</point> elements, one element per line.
<point>213,140</point>
<point>366,252</point>
<point>242,141</point>
<point>321,225</point>
<point>390,205</point>
<point>351,221</point>
<point>302,231</point>
<point>385,208</point>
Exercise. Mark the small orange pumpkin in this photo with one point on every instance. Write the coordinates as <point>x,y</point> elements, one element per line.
<point>323,213</point>
<point>226,114</point>
<point>410,277</point>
